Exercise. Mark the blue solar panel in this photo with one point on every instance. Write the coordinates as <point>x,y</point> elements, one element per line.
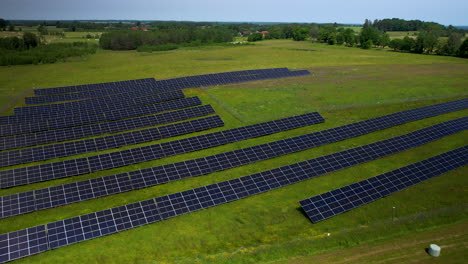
<point>329,204</point>
<point>89,87</point>
<point>196,167</point>
<point>29,125</point>
<point>96,224</point>
<point>14,157</point>
<point>78,132</point>
<point>68,168</point>
<point>93,106</point>
<point>172,84</point>
<point>107,161</point>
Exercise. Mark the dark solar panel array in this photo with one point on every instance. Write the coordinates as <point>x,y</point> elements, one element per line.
<point>196,167</point>
<point>347,198</point>
<point>76,167</point>
<point>37,239</point>
<point>20,141</point>
<point>89,87</point>
<point>68,168</point>
<point>96,105</point>
<point>15,157</point>
<point>131,90</point>
<point>201,166</point>
<point>71,133</point>
<point>211,79</point>
<point>167,85</point>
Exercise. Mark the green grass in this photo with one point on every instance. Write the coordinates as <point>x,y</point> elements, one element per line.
<point>348,85</point>
<point>402,34</point>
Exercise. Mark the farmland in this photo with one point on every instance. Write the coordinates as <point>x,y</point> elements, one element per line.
<point>347,85</point>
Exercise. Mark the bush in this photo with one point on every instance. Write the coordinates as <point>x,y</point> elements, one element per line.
<point>255,37</point>
<point>45,53</point>
<point>367,44</point>
<point>463,50</point>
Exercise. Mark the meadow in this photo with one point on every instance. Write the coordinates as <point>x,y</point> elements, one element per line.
<point>347,85</point>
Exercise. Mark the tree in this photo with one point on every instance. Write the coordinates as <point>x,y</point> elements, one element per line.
<point>300,34</point>
<point>426,42</point>
<point>463,50</point>
<point>384,40</point>
<point>3,23</point>
<point>314,31</point>
<point>367,44</point>
<point>30,40</point>
<point>42,30</point>
<point>340,38</point>
<point>349,37</point>
<point>371,34</point>
<point>326,32</point>
<point>396,44</point>
<point>255,37</point>
<point>11,27</point>
<point>408,44</point>
<point>452,44</point>
<point>367,23</point>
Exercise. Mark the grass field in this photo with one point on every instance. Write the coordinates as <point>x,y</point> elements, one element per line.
<point>347,85</point>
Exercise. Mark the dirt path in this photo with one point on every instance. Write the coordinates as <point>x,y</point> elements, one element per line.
<point>410,249</point>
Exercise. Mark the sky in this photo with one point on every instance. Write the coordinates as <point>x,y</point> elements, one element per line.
<point>454,12</point>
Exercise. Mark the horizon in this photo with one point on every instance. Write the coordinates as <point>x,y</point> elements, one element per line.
<point>256,11</point>
<point>207,21</point>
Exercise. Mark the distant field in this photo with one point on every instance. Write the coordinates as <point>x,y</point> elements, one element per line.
<point>347,85</point>
<point>356,29</point>
<point>402,34</point>
<point>69,36</point>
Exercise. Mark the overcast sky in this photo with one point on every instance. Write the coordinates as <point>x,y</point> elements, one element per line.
<point>342,11</point>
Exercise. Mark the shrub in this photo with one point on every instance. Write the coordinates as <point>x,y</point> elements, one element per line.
<point>255,37</point>
<point>367,44</point>
<point>45,53</point>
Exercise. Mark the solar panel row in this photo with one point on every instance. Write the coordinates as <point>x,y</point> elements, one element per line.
<point>78,118</point>
<point>130,90</point>
<point>96,104</point>
<point>15,157</point>
<point>168,85</point>
<point>37,239</point>
<point>86,87</point>
<point>71,133</point>
<point>68,168</point>
<point>19,141</point>
<point>132,156</point>
<point>349,197</point>
<point>206,165</point>
<point>187,79</point>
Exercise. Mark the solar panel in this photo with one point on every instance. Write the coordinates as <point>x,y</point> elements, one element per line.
<point>88,87</point>
<point>190,168</point>
<point>173,84</point>
<point>96,224</point>
<point>68,168</point>
<point>19,141</point>
<point>117,159</point>
<point>95,105</point>
<point>329,204</point>
<point>14,157</point>
<point>135,89</point>
<point>78,132</point>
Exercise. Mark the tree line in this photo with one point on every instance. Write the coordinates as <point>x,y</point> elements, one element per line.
<point>28,49</point>
<point>132,39</point>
